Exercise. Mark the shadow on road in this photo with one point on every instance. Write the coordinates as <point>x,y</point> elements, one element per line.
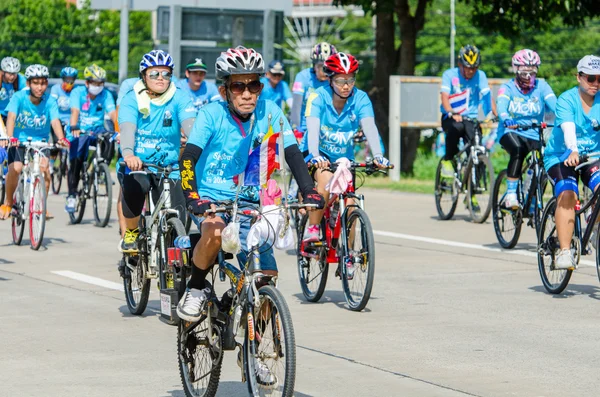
<point>571,291</point>
<point>149,312</point>
<point>335,297</point>
<point>5,261</point>
<point>227,389</point>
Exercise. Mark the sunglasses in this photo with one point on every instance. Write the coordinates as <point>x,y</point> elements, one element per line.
<point>527,73</point>
<point>590,78</point>
<point>343,82</point>
<point>237,87</point>
<point>155,73</point>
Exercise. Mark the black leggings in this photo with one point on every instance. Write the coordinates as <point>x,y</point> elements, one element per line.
<point>135,186</point>
<point>518,147</point>
<point>454,131</point>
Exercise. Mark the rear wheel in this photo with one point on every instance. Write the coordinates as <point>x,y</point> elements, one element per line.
<point>37,213</point>
<point>77,216</point>
<point>312,265</point>
<point>136,283</point>
<point>546,195</point>
<point>480,181</point>
<point>507,222</point>
<point>101,188</point>
<point>172,279</point>
<point>18,221</point>
<point>446,194</point>
<point>57,175</point>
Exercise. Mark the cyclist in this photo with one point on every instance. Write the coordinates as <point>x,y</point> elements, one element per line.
<point>333,115</point>
<point>219,129</point>
<point>577,130</point>
<point>520,101</point>
<point>31,113</point>
<point>463,89</point>
<point>12,81</point>
<point>196,87</point>
<point>89,104</point>
<point>275,89</point>
<point>62,93</point>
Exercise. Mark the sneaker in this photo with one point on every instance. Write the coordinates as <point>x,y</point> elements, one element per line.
<point>312,234</point>
<point>564,260</point>
<point>475,204</point>
<point>129,242</point>
<point>264,376</point>
<point>190,306</point>
<point>511,200</point>
<point>71,204</point>
<point>447,169</point>
<point>350,267</point>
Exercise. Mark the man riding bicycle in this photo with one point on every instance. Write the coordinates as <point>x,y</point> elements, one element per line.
<point>520,102</point>
<point>62,93</point>
<point>12,81</point>
<point>333,115</point>
<point>89,104</point>
<point>151,118</point>
<point>31,113</point>
<point>576,131</point>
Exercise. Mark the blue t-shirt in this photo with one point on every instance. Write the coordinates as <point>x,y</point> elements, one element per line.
<point>335,137</point>
<point>569,109</point>
<point>524,108</point>
<point>32,120</point>
<point>279,94</point>
<point>466,95</point>
<point>91,111</point>
<point>219,136</point>
<point>208,92</point>
<point>161,128</point>
<point>8,90</point>
<point>305,83</point>
<point>63,100</point>
<point>126,86</point>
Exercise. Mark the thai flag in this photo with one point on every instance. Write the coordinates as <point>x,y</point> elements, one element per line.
<point>459,101</point>
<point>262,161</point>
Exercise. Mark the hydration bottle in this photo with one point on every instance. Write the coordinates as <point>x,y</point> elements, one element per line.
<point>182,242</point>
<point>527,183</point>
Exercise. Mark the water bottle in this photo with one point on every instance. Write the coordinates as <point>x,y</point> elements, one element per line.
<point>527,182</point>
<point>182,242</point>
<point>333,215</point>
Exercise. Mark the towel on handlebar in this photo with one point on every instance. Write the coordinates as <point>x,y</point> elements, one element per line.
<point>143,100</point>
<point>271,194</point>
<point>271,228</point>
<point>341,178</point>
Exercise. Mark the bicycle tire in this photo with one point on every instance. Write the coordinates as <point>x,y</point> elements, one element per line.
<point>280,324</point>
<point>102,174</point>
<point>77,216</point>
<point>174,229</point>
<point>2,184</point>
<point>18,223</point>
<point>137,306</point>
<point>57,176</point>
<point>441,185</point>
<point>37,213</point>
<point>367,254</point>
<point>501,215</point>
<point>547,246</point>
<point>539,209</point>
<point>481,215</point>
<point>304,267</point>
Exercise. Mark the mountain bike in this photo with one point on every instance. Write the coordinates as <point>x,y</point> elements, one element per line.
<point>252,309</point>
<point>59,170</point>
<point>347,241</point>
<point>556,280</point>
<point>473,175</point>
<point>530,191</point>
<point>95,182</point>
<point>159,226</point>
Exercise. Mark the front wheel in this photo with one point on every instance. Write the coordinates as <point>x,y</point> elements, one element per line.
<point>102,195</point>
<point>57,175</point>
<point>37,213</point>
<point>446,194</point>
<point>507,221</point>
<point>312,265</point>
<point>77,216</point>
<point>18,220</point>
<point>480,180</point>
<point>136,283</point>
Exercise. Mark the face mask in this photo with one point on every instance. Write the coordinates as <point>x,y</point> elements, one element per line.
<point>92,89</point>
<point>67,87</point>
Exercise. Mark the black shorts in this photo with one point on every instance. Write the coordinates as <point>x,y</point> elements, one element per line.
<point>565,178</point>
<point>16,154</point>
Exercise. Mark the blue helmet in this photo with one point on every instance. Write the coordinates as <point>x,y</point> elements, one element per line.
<point>156,58</point>
<point>69,72</point>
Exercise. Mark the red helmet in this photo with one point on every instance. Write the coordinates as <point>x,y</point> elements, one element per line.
<point>340,63</point>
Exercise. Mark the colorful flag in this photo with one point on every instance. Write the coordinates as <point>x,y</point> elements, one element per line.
<point>459,101</point>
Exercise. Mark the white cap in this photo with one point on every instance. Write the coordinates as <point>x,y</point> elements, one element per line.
<point>589,64</point>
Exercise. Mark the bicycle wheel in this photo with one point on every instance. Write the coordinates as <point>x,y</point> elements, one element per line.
<point>554,280</point>
<point>507,222</point>
<point>479,188</point>
<point>546,195</point>
<point>174,229</point>
<point>358,260</point>
<point>57,175</point>
<point>313,269</point>
<point>18,223</point>
<point>77,216</point>
<point>200,357</point>
<point>270,345</point>
<point>37,213</point>
<point>135,283</point>
<point>446,194</point>
<point>101,188</point>
<point>2,184</point>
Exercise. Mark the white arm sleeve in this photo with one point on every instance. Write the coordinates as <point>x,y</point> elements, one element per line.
<point>370,131</point>
<point>568,129</point>
<point>313,125</point>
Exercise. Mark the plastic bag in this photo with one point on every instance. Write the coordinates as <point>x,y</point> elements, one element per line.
<point>230,238</point>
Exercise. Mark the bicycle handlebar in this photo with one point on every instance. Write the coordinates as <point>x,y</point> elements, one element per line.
<point>533,125</point>
<point>146,167</point>
<point>586,159</point>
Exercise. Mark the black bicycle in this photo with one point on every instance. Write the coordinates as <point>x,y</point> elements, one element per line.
<point>531,192</point>
<point>473,175</point>
<point>59,170</point>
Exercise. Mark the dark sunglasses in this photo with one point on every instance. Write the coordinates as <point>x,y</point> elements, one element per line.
<point>590,78</point>
<point>155,73</point>
<point>237,87</point>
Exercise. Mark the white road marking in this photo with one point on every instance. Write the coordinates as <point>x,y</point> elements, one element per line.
<point>89,279</point>
<point>459,244</point>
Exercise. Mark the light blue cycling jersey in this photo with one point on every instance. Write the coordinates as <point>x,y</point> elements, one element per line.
<point>335,137</point>
<point>569,109</point>
<point>8,90</point>
<point>466,95</point>
<point>219,136</point>
<point>126,86</point>
<point>91,111</point>
<point>524,108</point>
<point>208,92</point>
<point>279,94</point>
<point>63,101</point>
<point>161,128</point>
<point>32,120</point>
<point>305,83</point>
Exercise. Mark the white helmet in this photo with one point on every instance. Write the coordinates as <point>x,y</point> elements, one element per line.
<point>10,65</point>
<point>36,72</point>
<point>239,60</point>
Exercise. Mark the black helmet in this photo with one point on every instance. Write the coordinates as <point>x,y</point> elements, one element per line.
<point>469,56</point>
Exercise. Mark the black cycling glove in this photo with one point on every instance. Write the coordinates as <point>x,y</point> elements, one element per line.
<point>313,197</point>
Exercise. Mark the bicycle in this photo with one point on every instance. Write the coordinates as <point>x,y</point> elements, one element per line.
<point>252,309</point>
<point>95,182</point>
<point>59,170</point>
<point>2,182</point>
<point>508,221</point>
<point>347,240</point>
<point>474,175</point>
<point>556,280</point>
<point>29,200</point>
<point>159,227</point>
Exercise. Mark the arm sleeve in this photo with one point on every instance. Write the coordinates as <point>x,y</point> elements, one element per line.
<point>297,109</point>
<point>128,130</point>
<point>502,102</point>
<point>295,161</point>
<point>187,166</point>
<point>313,125</point>
<point>569,130</point>
<point>370,130</point>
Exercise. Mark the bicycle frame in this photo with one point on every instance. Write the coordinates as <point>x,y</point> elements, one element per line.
<point>474,149</point>
<point>30,172</point>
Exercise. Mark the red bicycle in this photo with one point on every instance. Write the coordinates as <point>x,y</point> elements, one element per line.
<point>347,241</point>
